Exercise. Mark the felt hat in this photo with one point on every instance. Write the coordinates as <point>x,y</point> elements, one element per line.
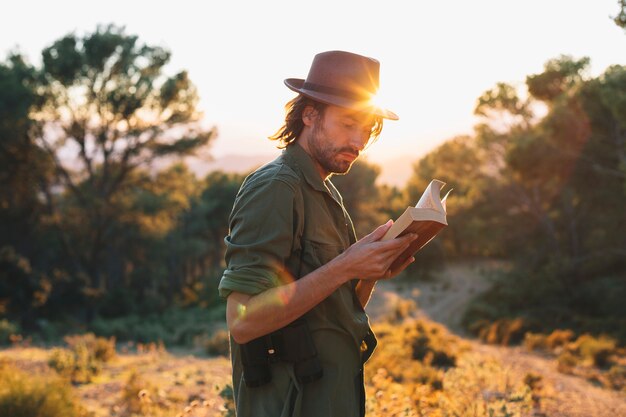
<point>343,79</point>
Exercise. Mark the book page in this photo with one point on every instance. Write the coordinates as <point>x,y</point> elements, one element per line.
<point>430,198</point>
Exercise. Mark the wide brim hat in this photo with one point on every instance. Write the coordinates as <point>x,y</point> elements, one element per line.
<point>343,79</point>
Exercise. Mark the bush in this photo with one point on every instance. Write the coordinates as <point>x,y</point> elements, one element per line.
<point>558,339</point>
<point>7,329</point>
<point>594,350</point>
<point>218,344</point>
<point>22,395</point>
<point>617,377</point>
<point>484,389</point>
<point>77,364</point>
<point>416,351</point>
<point>100,348</point>
<point>84,357</point>
<point>504,332</point>
<point>173,327</point>
<point>137,397</point>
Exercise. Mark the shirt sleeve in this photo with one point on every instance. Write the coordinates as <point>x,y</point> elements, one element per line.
<point>260,239</point>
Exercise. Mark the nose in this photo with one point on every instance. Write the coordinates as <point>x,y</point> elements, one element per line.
<point>358,139</point>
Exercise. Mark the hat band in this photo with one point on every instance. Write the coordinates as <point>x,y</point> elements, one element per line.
<point>351,95</point>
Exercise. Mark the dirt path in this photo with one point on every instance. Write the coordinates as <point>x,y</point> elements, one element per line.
<point>442,299</point>
<point>445,299</point>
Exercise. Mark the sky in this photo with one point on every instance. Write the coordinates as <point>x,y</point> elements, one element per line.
<point>437,57</point>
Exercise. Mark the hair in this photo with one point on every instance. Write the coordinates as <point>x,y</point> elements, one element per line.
<point>291,130</point>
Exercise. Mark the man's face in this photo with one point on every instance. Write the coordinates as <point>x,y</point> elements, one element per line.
<point>337,138</point>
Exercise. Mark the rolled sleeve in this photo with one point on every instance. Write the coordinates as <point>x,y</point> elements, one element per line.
<point>260,239</point>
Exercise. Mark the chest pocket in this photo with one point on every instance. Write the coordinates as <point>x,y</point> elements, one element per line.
<point>316,254</point>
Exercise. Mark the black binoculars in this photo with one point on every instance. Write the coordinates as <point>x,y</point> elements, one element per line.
<point>293,343</point>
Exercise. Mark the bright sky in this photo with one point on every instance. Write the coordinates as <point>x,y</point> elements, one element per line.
<point>436,57</point>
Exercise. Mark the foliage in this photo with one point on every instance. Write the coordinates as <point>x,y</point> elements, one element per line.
<point>79,135</point>
<point>7,329</point>
<point>482,388</point>
<point>219,344</point>
<point>174,326</point>
<point>550,190</point>
<point>83,358</point>
<point>362,197</point>
<point>620,18</point>
<point>23,395</point>
<point>421,370</point>
<point>229,401</point>
<point>542,302</point>
<point>417,351</point>
<point>596,358</point>
<point>137,398</point>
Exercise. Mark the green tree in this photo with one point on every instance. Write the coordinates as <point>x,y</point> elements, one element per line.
<point>107,107</point>
<point>620,18</point>
<point>23,166</point>
<point>558,189</point>
<point>362,196</point>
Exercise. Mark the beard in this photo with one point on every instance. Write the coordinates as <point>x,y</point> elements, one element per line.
<point>327,155</point>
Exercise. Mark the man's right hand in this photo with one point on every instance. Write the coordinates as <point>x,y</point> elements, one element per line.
<point>370,258</point>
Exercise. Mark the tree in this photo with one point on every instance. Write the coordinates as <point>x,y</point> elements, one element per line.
<point>620,18</point>
<point>23,166</point>
<point>106,102</point>
<point>361,196</point>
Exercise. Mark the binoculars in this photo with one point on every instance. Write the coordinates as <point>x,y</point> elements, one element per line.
<point>293,343</point>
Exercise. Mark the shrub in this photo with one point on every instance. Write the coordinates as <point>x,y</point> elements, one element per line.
<point>100,348</point>
<point>84,357</point>
<point>22,395</point>
<point>137,397</point>
<point>550,343</point>
<point>535,341</point>
<point>617,377</point>
<point>504,331</point>
<point>559,338</point>
<point>594,350</point>
<point>218,344</point>
<point>77,364</point>
<point>416,351</point>
<point>483,389</point>
<point>175,326</point>
<point>7,329</point>
<point>229,401</point>
<point>566,362</point>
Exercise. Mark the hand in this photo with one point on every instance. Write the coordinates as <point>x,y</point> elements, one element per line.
<point>370,258</point>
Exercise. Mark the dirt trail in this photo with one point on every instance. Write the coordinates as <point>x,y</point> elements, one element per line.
<point>445,299</point>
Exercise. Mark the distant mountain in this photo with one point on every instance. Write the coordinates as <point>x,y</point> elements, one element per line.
<point>232,163</point>
<point>394,171</point>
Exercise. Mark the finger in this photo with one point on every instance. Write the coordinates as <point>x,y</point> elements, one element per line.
<point>378,233</point>
<point>404,265</point>
<point>398,243</point>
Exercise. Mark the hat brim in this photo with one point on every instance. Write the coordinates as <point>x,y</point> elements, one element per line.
<point>297,85</point>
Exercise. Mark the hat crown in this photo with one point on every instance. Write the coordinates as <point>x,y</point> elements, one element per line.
<point>342,79</point>
<point>354,75</point>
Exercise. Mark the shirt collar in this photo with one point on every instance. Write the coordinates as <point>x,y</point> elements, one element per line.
<point>305,164</point>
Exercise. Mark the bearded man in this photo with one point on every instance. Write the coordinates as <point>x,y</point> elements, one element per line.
<point>297,279</point>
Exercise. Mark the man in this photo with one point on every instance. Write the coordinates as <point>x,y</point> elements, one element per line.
<point>297,281</point>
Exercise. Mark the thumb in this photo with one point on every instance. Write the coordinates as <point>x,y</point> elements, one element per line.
<point>379,232</point>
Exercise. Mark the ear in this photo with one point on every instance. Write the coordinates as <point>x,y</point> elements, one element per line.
<point>309,115</point>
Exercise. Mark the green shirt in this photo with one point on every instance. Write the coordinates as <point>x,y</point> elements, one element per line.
<point>286,222</point>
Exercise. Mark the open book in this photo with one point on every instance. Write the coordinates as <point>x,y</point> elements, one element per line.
<point>426,219</point>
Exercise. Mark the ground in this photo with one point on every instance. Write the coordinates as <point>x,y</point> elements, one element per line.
<point>444,299</point>
<point>179,380</point>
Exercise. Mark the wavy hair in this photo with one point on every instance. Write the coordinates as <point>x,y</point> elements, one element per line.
<point>291,130</point>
